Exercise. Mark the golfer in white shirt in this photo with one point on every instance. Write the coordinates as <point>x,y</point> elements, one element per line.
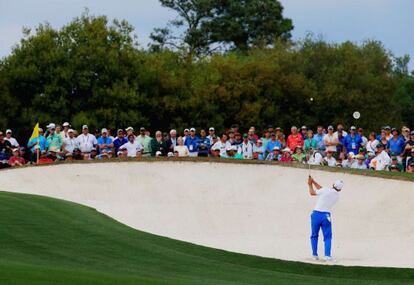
<point>321,215</point>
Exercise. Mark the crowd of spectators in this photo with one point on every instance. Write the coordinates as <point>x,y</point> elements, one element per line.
<point>391,149</point>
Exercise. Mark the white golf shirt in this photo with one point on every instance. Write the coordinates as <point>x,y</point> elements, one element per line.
<point>132,148</point>
<point>86,142</point>
<point>327,198</point>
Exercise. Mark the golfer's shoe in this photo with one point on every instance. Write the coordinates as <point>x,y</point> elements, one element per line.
<point>328,259</point>
<point>315,257</point>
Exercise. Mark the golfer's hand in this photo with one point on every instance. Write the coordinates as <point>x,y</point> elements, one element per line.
<point>310,180</point>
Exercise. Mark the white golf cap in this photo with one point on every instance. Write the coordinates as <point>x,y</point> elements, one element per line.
<point>129,129</point>
<point>192,130</point>
<point>211,129</point>
<point>339,184</point>
<point>278,148</point>
<point>85,127</point>
<point>8,131</point>
<point>66,124</point>
<point>51,126</point>
<point>186,130</point>
<point>104,130</point>
<point>71,131</point>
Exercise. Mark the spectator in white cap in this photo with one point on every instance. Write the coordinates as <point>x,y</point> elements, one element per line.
<point>360,162</point>
<point>105,144</point>
<point>329,159</point>
<point>181,149</point>
<point>275,154</point>
<point>54,141</point>
<point>129,130</point>
<point>69,144</point>
<point>231,152</point>
<point>186,134</point>
<point>211,134</point>
<point>11,140</point>
<point>259,150</point>
<point>64,133</point>
<point>192,143</point>
<point>16,160</point>
<point>86,142</point>
<point>349,162</point>
<point>133,147</point>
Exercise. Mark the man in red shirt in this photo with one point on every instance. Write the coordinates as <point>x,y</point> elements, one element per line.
<point>294,139</point>
<point>16,159</point>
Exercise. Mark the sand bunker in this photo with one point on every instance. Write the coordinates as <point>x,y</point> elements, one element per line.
<point>255,209</point>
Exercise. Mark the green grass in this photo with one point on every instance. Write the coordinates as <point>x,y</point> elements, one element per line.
<point>49,241</point>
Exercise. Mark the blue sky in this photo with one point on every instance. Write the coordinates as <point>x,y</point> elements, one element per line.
<point>336,20</point>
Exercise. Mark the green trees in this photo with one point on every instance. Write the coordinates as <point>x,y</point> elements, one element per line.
<point>221,24</point>
<point>91,71</point>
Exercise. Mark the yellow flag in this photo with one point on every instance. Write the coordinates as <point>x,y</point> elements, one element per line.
<point>35,133</point>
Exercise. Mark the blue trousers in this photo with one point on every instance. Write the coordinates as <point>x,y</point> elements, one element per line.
<point>321,220</point>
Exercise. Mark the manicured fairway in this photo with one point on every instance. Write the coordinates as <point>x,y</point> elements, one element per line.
<point>48,241</point>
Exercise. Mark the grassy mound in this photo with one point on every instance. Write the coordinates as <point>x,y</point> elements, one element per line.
<point>49,241</point>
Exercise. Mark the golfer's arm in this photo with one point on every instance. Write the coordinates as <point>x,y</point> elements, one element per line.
<point>312,191</point>
<point>317,185</point>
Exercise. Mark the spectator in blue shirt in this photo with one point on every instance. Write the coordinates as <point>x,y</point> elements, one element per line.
<point>191,142</point>
<point>396,143</point>
<point>352,141</point>
<point>203,144</point>
<point>119,141</point>
<point>320,134</point>
<point>39,142</point>
<point>105,144</point>
<point>272,143</point>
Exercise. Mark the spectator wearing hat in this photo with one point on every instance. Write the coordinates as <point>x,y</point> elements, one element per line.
<point>222,144</point>
<point>203,144</point>
<point>330,141</point>
<point>69,144</point>
<point>286,155</point>
<point>171,142</point>
<point>38,143</point>
<point>359,162</point>
<point>410,158</point>
<point>352,141</point>
<point>304,132</point>
<point>396,144</point>
<point>410,167</point>
<point>44,158</point>
<point>86,142</point>
<point>145,141</point>
<point>133,147</point>
<point>231,152</point>
<point>129,130</point>
<point>12,140</point>
<point>237,139</point>
<point>388,133</point>
<point>299,156</point>
<point>211,134</point>
<point>274,155</point>
<point>272,143</point>
<point>408,147</point>
<point>310,142</point>
<point>245,149</point>
<point>65,132</point>
<point>395,165</point>
<point>158,145</point>
<point>329,159</point>
<point>349,161</point>
<point>315,157</point>
<point>259,150</point>
<point>192,143</point>
<point>294,139</point>
<point>253,137</point>
<point>186,134</point>
<point>180,149</point>
<point>215,150</point>
<point>340,129</point>
<point>320,134</point>
<point>16,160</point>
<point>119,141</point>
<point>382,160</point>
<point>105,144</point>
<point>405,133</point>
<point>54,141</point>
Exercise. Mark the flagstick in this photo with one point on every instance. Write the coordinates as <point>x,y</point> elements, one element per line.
<point>37,151</point>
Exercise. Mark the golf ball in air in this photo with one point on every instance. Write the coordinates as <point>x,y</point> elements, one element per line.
<point>311,98</point>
